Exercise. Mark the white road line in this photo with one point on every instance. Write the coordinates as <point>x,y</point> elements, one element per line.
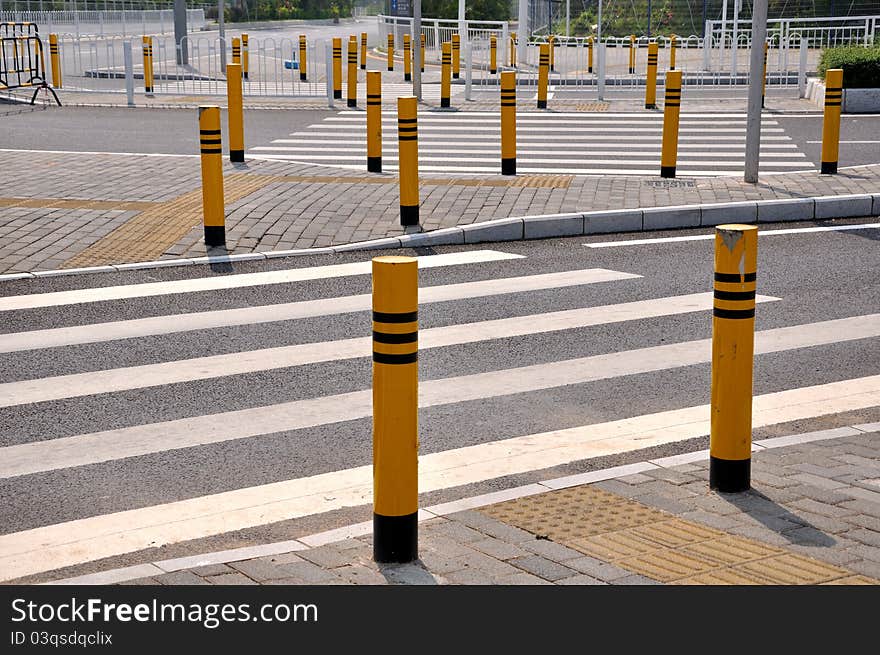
<point>391,141</point>
<point>74,542</point>
<point>79,296</point>
<point>534,119</point>
<point>427,135</point>
<point>81,152</point>
<point>706,237</point>
<point>169,324</point>
<point>847,142</point>
<point>203,368</point>
<point>496,127</point>
<point>139,440</point>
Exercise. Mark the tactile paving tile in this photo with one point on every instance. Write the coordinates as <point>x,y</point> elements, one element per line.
<point>592,106</point>
<point>728,550</point>
<point>853,579</point>
<point>791,569</point>
<point>542,181</point>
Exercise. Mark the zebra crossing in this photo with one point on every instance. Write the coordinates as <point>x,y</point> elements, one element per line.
<point>558,143</point>
<point>161,409</point>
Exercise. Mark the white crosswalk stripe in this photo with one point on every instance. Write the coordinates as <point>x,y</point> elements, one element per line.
<point>564,143</point>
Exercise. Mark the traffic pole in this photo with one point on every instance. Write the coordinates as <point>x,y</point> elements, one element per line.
<point>363,51</point>
<point>671,109</point>
<point>374,121</point>
<point>303,74</point>
<point>543,74</point>
<point>245,61</point>
<point>212,176</point>
<point>148,64</point>
<point>672,45</point>
<point>55,57</point>
<point>508,123</point>
<point>352,71</point>
<point>831,120</point>
<point>408,159</point>
<point>456,56</point>
<point>337,68</point>
<point>395,408</point>
<point>493,54</point>
<point>407,58</point>
<point>733,347</point>
<point>651,81</point>
<point>445,73</point>
<point>236,112</point>
<point>391,52</point>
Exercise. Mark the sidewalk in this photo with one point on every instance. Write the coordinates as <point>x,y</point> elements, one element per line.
<point>811,517</point>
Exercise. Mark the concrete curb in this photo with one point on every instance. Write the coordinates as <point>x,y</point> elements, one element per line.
<point>162,567</point>
<point>549,226</point>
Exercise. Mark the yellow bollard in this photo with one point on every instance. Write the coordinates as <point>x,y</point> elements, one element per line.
<point>244,55</point>
<point>590,55</point>
<point>733,348</point>
<point>374,122</point>
<point>407,58</point>
<point>764,77</point>
<point>831,120</point>
<point>395,409</point>
<point>55,56</point>
<point>391,52</point>
<point>363,51</point>
<point>148,64</point>
<point>352,71</point>
<point>552,42</point>
<point>212,176</point>
<point>651,81</point>
<point>422,51</point>
<point>513,48</point>
<point>493,54</point>
<point>671,109</point>
<point>672,44</point>
<point>508,123</point>
<point>302,58</point>
<point>543,74</point>
<point>632,53</point>
<point>408,159</point>
<point>236,50</point>
<point>445,73</point>
<point>236,112</point>
<point>456,56</point>
<point>337,68</point>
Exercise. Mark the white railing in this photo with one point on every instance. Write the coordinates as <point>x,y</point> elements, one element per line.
<point>101,23</point>
<point>439,30</point>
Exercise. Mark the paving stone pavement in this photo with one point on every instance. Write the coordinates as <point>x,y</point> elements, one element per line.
<point>811,517</point>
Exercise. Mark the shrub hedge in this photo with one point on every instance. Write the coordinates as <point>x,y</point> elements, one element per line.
<point>861,65</point>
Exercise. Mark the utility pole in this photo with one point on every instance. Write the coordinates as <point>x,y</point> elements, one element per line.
<point>180,32</point>
<point>221,17</point>
<point>522,32</point>
<point>417,49</point>
<point>756,84</point>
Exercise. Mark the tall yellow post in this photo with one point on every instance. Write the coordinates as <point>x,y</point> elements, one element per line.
<point>55,57</point>
<point>671,109</point>
<point>422,52</point>
<point>363,51</point>
<point>764,75</point>
<point>513,48</point>
<point>551,41</point>
<point>236,112</point>
<point>590,54</point>
<point>391,52</point>
<point>651,79</point>
<point>395,409</point>
<point>632,53</point>
<point>733,348</point>
<point>407,58</point>
<point>245,61</point>
<point>212,175</point>
<point>303,74</point>
<point>508,123</point>
<point>456,56</point>
<point>337,68</point>
<point>148,63</point>
<point>672,45</point>
<point>408,159</point>
<point>445,73</point>
<point>831,120</point>
<point>352,71</point>
<point>493,54</point>
<point>543,74</point>
<point>374,121</point>
<point>236,50</point>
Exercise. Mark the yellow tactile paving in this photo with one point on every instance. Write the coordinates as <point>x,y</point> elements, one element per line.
<point>853,579</point>
<point>666,565</point>
<point>728,550</point>
<point>74,203</point>
<point>791,569</point>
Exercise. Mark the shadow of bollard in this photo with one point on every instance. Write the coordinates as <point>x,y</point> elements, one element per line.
<point>412,573</point>
<point>777,518</point>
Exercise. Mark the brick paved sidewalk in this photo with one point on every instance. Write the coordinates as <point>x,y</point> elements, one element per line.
<point>811,517</point>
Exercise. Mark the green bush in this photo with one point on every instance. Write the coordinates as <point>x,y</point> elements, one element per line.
<point>861,65</point>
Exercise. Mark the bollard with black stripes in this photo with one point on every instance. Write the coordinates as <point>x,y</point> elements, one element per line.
<point>235,113</point>
<point>374,121</point>
<point>395,409</point>
<point>543,74</point>
<point>445,73</point>
<point>733,348</point>
<point>408,159</point>
<point>245,61</point>
<point>337,68</point>
<point>456,56</point>
<point>671,109</point>
<point>303,76</point>
<point>590,55</point>
<point>651,78</point>
<point>352,72</point>
<point>508,123</point>
<point>363,51</point>
<point>831,120</point>
<point>390,52</point>
<point>422,51</point>
<point>211,147</point>
<point>55,58</point>
<point>493,54</point>
<point>407,58</point>
<point>147,42</point>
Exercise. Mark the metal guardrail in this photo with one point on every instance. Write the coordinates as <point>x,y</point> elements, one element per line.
<point>22,59</point>
<point>81,23</point>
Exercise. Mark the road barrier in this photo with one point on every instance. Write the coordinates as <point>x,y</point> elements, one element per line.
<point>303,49</point>
<point>831,120</point>
<point>337,68</point>
<point>671,110</point>
<point>408,159</point>
<point>446,74</point>
<point>213,212</point>
<point>493,54</point>
<point>543,75</point>
<point>456,56</point>
<point>235,112</point>
<point>374,121</point>
<point>147,42</point>
<point>508,123</point>
<point>391,52</point>
<point>352,71</point>
<point>245,61</point>
<point>673,42</point>
<point>363,51</point>
<point>22,59</point>
<point>632,54</point>
<point>395,408</point>
<point>56,61</point>
<point>651,80</point>
<point>733,348</point>
<point>407,58</point>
